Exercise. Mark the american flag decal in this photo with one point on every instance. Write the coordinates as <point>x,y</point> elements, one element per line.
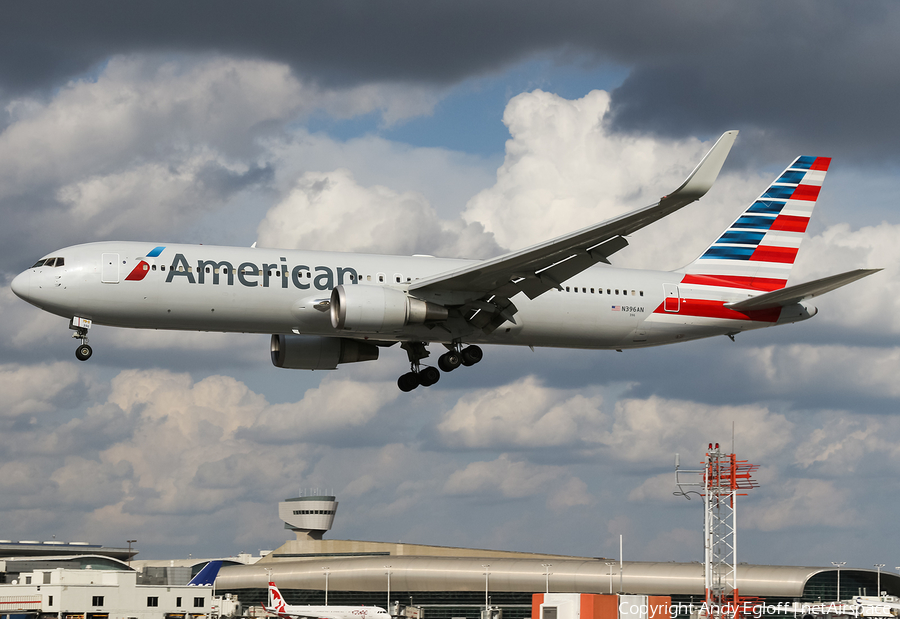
<point>617,308</point>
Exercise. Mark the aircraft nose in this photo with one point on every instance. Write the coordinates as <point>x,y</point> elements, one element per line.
<point>20,284</point>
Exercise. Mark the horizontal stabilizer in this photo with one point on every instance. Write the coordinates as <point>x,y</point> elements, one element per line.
<point>800,292</point>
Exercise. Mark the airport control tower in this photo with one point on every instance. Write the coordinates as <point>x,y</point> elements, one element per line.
<point>308,516</point>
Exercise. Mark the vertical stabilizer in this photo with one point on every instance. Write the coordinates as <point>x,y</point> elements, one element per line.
<point>276,601</point>
<point>207,576</point>
<point>758,250</point>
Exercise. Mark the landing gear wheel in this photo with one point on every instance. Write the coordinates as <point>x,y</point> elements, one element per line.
<point>471,355</point>
<point>83,352</point>
<point>449,361</point>
<point>408,381</point>
<point>428,376</point>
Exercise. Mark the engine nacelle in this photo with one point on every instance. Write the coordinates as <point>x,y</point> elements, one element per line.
<point>314,352</point>
<point>378,309</point>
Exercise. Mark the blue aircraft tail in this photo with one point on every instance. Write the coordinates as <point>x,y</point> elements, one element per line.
<point>207,576</point>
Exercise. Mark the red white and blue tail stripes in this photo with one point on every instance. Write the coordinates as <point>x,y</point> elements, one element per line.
<point>758,250</point>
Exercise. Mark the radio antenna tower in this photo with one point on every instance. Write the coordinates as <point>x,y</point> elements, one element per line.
<point>718,483</point>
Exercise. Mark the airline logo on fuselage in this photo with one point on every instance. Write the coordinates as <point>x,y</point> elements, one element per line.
<point>143,267</point>
<point>250,274</point>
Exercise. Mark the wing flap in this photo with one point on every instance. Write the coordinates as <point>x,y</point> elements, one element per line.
<point>800,292</point>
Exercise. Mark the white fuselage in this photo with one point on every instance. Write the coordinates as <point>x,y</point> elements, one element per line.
<point>331,612</point>
<point>256,290</point>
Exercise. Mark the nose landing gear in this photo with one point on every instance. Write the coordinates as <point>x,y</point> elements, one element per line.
<point>81,326</point>
<point>83,352</point>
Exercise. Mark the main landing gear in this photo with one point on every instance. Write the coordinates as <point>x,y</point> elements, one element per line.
<point>427,376</point>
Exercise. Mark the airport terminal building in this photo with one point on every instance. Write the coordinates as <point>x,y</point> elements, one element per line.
<point>451,583</point>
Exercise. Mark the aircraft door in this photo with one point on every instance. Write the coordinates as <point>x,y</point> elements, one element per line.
<point>673,300</point>
<point>109,269</point>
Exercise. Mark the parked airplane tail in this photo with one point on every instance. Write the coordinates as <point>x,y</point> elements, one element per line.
<point>207,576</point>
<point>758,250</point>
<point>276,600</point>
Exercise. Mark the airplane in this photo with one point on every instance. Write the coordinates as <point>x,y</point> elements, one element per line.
<point>325,308</point>
<point>207,576</point>
<point>278,607</point>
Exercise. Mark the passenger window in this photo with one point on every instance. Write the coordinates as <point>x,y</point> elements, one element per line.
<point>608,291</point>
<point>162,267</point>
<point>584,290</point>
<point>153,267</point>
<point>567,289</point>
<point>632,293</point>
<point>592,291</point>
<point>617,291</point>
<point>368,278</point>
<point>207,269</point>
<point>642,293</point>
<point>381,277</point>
<point>576,288</point>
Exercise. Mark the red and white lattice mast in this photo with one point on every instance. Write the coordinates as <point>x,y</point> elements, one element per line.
<point>721,480</point>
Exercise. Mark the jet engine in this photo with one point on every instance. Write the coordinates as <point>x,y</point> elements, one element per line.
<point>314,352</point>
<point>378,309</point>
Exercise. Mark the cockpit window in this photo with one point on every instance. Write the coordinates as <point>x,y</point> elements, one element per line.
<point>56,261</point>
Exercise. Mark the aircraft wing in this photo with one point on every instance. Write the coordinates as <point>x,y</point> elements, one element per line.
<point>542,267</point>
<point>800,292</point>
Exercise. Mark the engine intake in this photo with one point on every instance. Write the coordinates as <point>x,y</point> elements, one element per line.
<point>314,352</point>
<point>377,309</point>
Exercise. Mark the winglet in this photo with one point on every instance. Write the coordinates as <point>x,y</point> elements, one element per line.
<point>704,175</point>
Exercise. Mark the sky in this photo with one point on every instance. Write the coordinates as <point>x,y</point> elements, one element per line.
<point>460,129</point>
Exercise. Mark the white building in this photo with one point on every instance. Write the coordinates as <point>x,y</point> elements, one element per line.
<point>110,593</point>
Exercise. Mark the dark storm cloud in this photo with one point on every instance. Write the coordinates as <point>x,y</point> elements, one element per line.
<point>799,70</point>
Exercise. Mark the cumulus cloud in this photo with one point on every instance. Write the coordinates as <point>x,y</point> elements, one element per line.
<point>846,443</point>
<point>512,479</point>
<point>527,414</point>
<point>566,169</point>
<point>336,404</point>
<point>840,248</point>
<point>161,443</point>
<point>865,371</point>
<point>30,390</point>
<point>331,211</point>
<point>520,415</point>
<point>800,503</point>
<point>153,143</point>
